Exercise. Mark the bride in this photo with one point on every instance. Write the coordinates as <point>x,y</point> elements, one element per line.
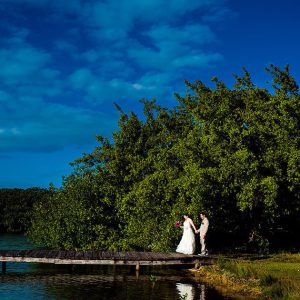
<point>187,244</point>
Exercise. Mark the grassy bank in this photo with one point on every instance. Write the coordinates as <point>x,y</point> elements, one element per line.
<point>273,277</point>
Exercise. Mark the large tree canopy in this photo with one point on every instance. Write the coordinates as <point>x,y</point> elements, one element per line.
<point>233,152</point>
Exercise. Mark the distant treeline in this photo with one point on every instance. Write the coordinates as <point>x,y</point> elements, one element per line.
<point>233,152</point>
<point>16,208</point>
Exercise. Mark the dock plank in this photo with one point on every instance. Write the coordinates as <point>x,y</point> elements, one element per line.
<point>122,255</point>
<point>78,255</point>
<point>99,257</point>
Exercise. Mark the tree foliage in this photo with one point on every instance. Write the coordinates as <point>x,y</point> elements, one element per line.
<point>16,207</point>
<point>232,152</point>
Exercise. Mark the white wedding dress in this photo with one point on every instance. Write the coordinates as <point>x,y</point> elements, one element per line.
<point>187,244</point>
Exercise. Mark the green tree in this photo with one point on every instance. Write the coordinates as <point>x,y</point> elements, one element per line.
<point>16,207</point>
<point>232,152</point>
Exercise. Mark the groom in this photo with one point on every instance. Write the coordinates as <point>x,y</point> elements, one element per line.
<point>203,230</point>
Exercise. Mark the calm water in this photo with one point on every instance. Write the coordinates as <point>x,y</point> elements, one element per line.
<point>40,281</point>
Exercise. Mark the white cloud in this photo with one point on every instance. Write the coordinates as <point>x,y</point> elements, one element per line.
<point>19,64</point>
<point>198,34</point>
<point>81,78</point>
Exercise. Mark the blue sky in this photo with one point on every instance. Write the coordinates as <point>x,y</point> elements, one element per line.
<point>64,64</point>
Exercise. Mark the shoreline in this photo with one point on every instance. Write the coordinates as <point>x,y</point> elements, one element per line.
<point>227,284</point>
<point>276,276</point>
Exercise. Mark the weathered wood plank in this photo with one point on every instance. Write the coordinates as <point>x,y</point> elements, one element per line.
<point>94,255</point>
<point>160,256</point>
<point>78,255</point>
<point>99,257</point>
<point>130,256</point>
<point>145,255</point>
<point>140,256</point>
<point>85,255</point>
<point>151,256</point>
<point>100,262</point>
<point>116,256</point>
<point>53,253</point>
<point>122,255</point>
<point>106,255</point>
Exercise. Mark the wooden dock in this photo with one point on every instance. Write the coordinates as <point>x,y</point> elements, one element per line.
<point>99,258</point>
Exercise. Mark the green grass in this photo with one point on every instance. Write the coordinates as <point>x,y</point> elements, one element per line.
<point>278,275</point>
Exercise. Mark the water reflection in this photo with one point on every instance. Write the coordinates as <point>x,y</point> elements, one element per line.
<point>42,281</point>
<point>202,291</point>
<point>186,291</point>
<point>15,242</point>
<point>103,286</point>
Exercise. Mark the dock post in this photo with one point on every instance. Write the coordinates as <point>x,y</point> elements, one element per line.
<point>3,267</point>
<point>137,266</point>
<point>137,270</point>
<point>197,264</point>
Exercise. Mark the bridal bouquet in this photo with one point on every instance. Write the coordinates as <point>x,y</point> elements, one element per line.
<point>178,224</point>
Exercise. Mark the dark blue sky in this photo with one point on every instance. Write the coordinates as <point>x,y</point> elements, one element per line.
<point>64,63</point>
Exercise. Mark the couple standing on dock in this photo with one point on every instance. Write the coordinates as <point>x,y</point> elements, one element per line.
<point>187,244</point>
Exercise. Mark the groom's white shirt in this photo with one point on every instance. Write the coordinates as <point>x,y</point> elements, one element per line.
<point>204,226</point>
